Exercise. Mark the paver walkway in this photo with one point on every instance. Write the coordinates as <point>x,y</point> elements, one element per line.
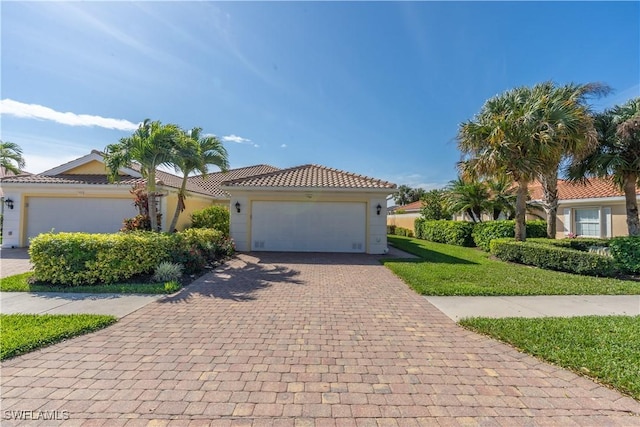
<point>14,261</point>
<point>299,340</point>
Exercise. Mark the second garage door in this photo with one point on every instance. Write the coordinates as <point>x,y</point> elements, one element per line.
<point>308,226</point>
<point>90,215</point>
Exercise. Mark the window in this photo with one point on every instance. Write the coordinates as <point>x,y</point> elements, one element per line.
<point>587,222</point>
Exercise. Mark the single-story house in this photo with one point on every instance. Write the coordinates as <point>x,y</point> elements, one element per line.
<point>328,210</point>
<point>596,209</point>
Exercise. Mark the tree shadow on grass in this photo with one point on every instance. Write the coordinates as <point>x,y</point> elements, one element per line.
<point>237,280</point>
<point>427,255</point>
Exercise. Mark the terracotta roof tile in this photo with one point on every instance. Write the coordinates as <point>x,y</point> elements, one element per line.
<point>213,181</point>
<point>310,176</point>
<point>415,206</point>
<point>69,179</point>
<point>594,188</point>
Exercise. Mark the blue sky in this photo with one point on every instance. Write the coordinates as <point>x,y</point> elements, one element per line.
<point>376,88</point>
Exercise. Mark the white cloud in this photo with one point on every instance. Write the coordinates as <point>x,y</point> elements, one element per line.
<point>35,111</point>
<point>239,140</point>
<point>236,139</point>
<point>283,146</point>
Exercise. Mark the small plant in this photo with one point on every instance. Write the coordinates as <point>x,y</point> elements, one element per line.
<point>172,286</point>
<point>167,271</point>
<point>216,217</point>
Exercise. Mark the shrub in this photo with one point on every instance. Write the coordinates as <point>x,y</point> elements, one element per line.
<point>626,253</point>
<point>579,244</point>
<point>167,271</point>
<point>484,232</point>
<point>72,259</point>
<point>553,258</point>
<point>391,229</point>
<point>172,286</point>
<point>444,231</point>
<point>400,231</point>
<point>216,217</point>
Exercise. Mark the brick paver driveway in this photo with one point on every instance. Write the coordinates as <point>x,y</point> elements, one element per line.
<point>299,340</point>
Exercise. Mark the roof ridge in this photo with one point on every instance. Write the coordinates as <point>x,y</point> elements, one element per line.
<point>357,175</point>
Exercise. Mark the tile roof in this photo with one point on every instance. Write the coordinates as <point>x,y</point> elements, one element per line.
<point>69,179</point>
<point>594,188</point>
<point>213,181</point>
<point>310,176</point>
<point>415,206</point>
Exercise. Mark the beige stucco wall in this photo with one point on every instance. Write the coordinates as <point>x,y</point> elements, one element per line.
<point>93,167</point>
<point>406,220</point>
<point>192,203</point>
<point>618,216</point>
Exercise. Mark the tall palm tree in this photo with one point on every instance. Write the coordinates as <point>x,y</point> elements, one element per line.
<point>11,157</point>
<point>617,156</point>
<point>467,196</point>
<point>505,138</point>
<point>151,145</point>
<point>565,120</point>
<point>195,154</point>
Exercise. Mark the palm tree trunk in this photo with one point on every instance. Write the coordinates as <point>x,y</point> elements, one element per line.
<point>550,203</point>
<point>521,211</point>
<point>179,205</point>
<point>153,209</point>
<point>633,223</point>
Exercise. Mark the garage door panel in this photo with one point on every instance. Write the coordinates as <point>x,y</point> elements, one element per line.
<point>89,215</point>
<point>308,227</point>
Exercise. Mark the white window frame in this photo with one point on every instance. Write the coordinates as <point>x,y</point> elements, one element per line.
<point>604,220</point>
<point>597,221</point>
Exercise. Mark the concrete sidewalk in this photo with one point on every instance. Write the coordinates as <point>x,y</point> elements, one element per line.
<point>118,305</point>
<point>457,308</point>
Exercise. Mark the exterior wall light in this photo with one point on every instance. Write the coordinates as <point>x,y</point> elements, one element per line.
<point>378,209</point>
<point>238,207</point>
<point>9,203</point>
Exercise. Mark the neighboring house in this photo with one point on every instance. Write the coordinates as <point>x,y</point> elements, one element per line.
<point>77,196</point>
<point>596,209</point>
<point>405,216</point>
<point>309,208</point>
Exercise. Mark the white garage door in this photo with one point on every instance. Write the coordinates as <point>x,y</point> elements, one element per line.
<point>77,214</point>
<point>308,227</point>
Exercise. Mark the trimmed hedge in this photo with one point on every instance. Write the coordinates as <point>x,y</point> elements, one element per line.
<point>579,244</point>
<point>401,231</point>
<point>444,231</point>
<point>216,217</point>
<point>626,253</point>
<point>553,257</point>
<point>74,259</point>
<point>484,232</point>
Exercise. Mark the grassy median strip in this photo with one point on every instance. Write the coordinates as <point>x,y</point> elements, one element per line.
<point>454,270</point>
<point>606,348</point>
<point>20,283</point>
<point>22,333</point>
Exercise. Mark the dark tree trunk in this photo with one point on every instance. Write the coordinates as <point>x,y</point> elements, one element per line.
<point>521,211</point>
<point>633,223</point>
<point>550,203</point>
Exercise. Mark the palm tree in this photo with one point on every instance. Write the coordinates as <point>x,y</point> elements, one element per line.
<point>11,157</point>
<point>502,198</point>
<point>505,138</point>
<point>196,153</point>
<point>151,145</point>
<point>566,122</point>
<point>617,155</point>
<point>468,196</point>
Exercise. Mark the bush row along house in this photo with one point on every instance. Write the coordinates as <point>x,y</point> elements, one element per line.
<point>596,209</point>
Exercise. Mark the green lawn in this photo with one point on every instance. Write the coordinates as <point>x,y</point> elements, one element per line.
<point>20,283</point>
<point>22,333</point>
<point>453,270</point>
<point>605,348</point>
